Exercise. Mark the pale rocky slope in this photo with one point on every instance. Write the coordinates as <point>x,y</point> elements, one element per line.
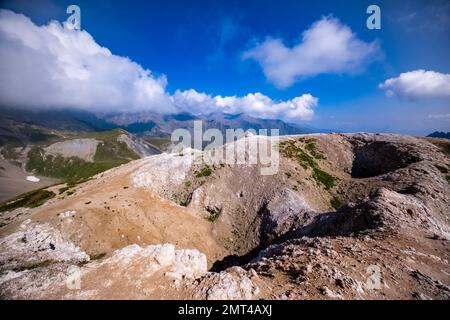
<point>81,148</point>
<point>358,216</point>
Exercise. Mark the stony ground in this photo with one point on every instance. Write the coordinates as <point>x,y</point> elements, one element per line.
<point>82,148</point>
<point>358,216</point>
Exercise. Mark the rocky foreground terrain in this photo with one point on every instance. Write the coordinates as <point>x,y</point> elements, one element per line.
<point>359,216</point>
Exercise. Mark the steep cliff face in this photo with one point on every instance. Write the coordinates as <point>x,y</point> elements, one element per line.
<point>345,216</point>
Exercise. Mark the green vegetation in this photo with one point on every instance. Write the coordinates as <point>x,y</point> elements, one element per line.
<point>290,150</point>
<point>72,170</point>
<point>204,172</point>
<point>110,149</point>
<point>213,213</point>
<point>212,217</point>
<point>30,200</point>
<point>72,184</point>
<point>312,149</point>
<point>62,190</point>
<point>12,146</point>
<point>110,153</point>
<point>324,178</point>
<point>336,204</point>
<point>97,256</point>
<point>114,151</point>
<point>188,184</point>
<point>31,266</point>
<point>101,135</point>
<point>160,143</point>
<point>184,203</point>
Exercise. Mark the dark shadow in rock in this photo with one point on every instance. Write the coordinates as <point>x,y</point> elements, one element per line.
<point>380,157</point>
<point>235,260</point>
<point>351,220</point>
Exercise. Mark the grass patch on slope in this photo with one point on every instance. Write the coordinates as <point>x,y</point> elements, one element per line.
<point>30,200</point>
<point>109,146</point>
<point>71,170</point>
<point>110,153</point>
<point>204,172</point>
<point>97,256</point>
<point>101,135</point>
<point>335,203</point>
<point>160,143</point>
<point>312,149</point>
<point>117,150</point>
<point>290,150</point>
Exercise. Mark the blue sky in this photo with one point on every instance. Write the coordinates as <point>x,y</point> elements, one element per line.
<point>202,44</point>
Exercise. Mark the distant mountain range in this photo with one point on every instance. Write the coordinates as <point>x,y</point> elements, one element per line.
<point>439,134</point>
<point>162,125</point>
<point>73,145</point>
<point>144,123</point>
<point>64,120</point>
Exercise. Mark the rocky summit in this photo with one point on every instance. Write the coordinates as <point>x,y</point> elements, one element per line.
<point>346,216</point>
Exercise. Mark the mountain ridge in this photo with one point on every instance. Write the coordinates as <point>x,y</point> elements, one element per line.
<point>371,231</point>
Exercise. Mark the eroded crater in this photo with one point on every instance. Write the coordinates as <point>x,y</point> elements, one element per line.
<point>380,157</point>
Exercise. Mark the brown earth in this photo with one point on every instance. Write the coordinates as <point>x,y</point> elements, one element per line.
<point>380,230</point>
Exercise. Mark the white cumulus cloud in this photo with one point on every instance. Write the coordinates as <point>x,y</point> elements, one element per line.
<point>418,84</point>
<point>53,66</point>
<point>326,47</point>
<point>253,104</point>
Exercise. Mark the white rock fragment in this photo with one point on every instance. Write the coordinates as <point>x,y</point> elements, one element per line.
<point>25,224</point>
<point>174,263</point>
<point>232,284</point>
<point>188,264</point>
<point>162,171</point>
<point>10,275</point>
<point>67,214</point>
<point>37,244</point>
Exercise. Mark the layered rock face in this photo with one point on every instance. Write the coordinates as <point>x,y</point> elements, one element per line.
<point>358,216</point>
